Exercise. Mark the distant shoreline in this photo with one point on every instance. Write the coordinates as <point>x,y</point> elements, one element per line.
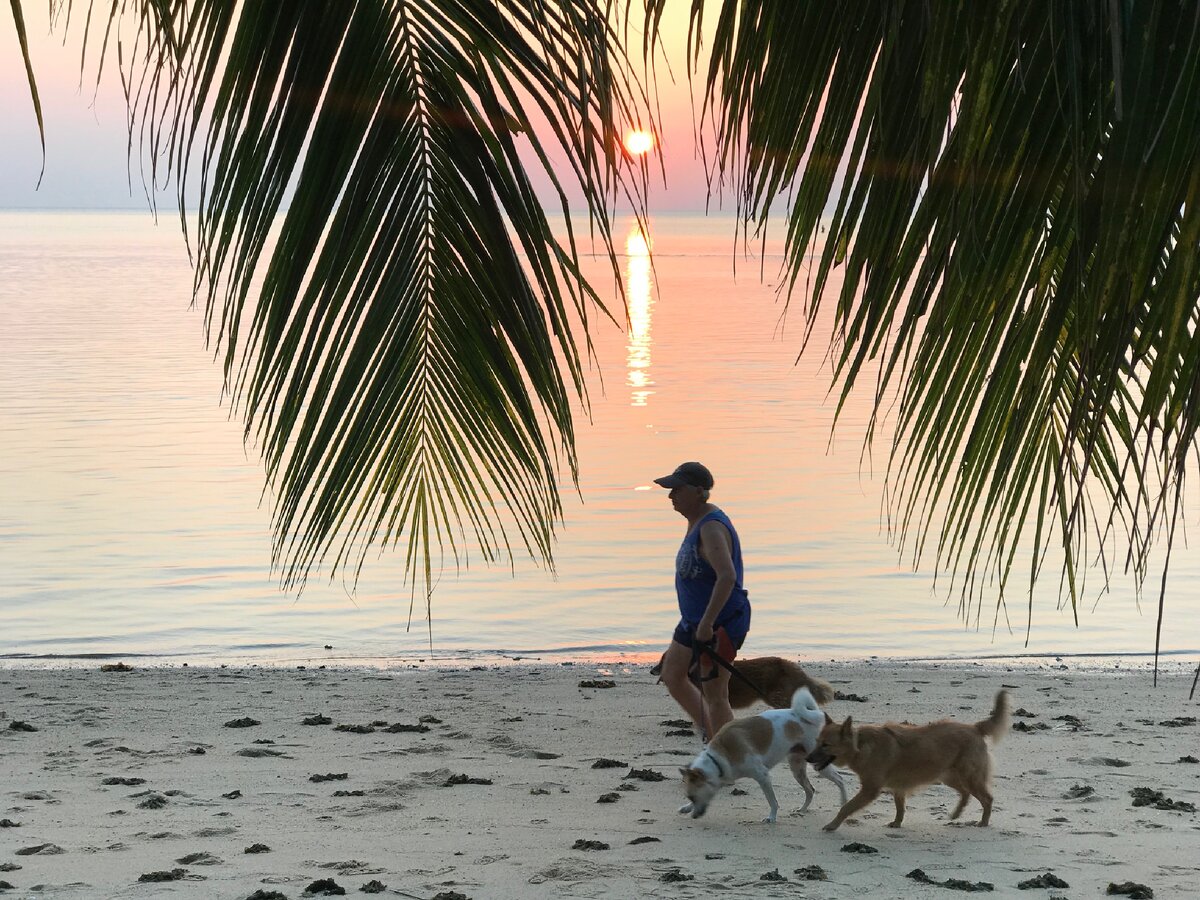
<point>1177,662</point>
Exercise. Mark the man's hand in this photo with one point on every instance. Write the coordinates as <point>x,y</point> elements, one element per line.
<point>704,632</point>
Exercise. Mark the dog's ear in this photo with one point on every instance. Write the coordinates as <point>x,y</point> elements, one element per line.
<point>848,734</point>
<point>828,719</point>
<point>683,770</point>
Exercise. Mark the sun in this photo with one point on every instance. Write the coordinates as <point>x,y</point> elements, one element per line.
<point>638,143</point>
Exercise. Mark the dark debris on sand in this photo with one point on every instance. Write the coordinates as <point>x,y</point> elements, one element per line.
<point>200,858</point>
<point>243,722</point>
<point>1146,797</point>
<point>584,844</point>
<point>674,875</point>
<point>850,698</point>
<point>330,776</point>
<point>464,779</point>
<point>605,763</point>
<point>172,875</point>
<point>261,894</point>
<point>1048,880</point>
<point>324,887</point>
<point>597,683</point>
<point>811,873</point>
<point>646,775</point>
<point>954,884</point>
<point>1131,889</point>
<point>856,847</point>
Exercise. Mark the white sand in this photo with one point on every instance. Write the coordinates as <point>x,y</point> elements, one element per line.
<point>535,733</point>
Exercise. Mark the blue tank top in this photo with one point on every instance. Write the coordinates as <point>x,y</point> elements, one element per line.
<point>695,578</point>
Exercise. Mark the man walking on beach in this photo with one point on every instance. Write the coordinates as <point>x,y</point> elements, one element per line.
<point>714,608</point>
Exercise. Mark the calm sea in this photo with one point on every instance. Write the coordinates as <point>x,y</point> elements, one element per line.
<point>132,520</point>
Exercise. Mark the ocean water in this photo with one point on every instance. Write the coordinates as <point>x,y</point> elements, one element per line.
<point>133,520</point>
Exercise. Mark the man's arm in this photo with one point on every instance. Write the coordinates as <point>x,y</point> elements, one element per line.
<point>717,549</point>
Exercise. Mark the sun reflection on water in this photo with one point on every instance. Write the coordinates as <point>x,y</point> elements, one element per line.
<point>638,290</point>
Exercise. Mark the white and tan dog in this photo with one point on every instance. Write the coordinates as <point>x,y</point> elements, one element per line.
<point>751,746</point>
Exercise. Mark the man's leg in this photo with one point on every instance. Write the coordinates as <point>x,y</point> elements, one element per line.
<point>716,700</point>
<point>675,665</point>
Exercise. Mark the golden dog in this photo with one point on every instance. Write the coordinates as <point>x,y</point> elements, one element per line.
<point>903,758</point>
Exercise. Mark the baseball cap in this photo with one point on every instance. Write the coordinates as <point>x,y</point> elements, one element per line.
<point>690,473</point>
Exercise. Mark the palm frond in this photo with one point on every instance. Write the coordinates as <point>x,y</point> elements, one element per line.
<point>18,15</point>
<point>395,316</point>
<point>1010,194</point>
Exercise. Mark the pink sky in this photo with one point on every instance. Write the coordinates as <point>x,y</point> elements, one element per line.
<point>86,140</point>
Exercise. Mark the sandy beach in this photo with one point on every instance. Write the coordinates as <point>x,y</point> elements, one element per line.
<point>549,780</point>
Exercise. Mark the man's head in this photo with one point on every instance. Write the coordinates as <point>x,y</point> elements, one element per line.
<point>689,485</point>
<point>691,474</point>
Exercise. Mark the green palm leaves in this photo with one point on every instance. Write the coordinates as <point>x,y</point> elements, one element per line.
<point>1014,214</point>
<point>394,314</point>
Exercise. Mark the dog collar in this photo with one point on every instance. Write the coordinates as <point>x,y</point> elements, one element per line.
<point>716,762</point>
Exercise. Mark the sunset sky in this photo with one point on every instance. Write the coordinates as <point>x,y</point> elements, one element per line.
<point>86,139</point>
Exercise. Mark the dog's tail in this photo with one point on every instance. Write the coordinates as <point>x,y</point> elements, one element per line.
<point>805,707</point>
<point>821,690</point>
<point>996,725</point>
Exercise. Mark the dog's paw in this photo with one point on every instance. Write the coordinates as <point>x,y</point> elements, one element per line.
<point>832,826</point>
<point>769,820</point>
<point>685,809</point>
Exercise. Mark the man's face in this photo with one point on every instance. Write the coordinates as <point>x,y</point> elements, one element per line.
<point>684,497</point>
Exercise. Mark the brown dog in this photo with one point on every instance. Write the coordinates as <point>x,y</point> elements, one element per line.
<point>776,677</point>
<point>903,758</point>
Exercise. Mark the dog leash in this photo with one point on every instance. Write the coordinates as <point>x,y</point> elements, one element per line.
<point>710,647</point>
